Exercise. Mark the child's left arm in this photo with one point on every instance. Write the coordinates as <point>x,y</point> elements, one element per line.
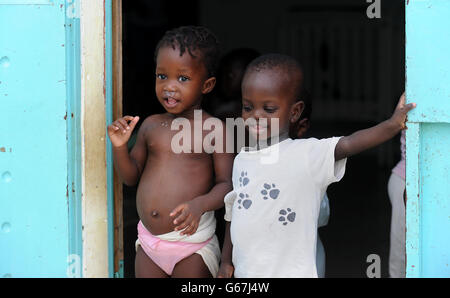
<point>376,135</point>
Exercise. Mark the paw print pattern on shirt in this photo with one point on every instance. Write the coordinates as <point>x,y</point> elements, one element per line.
<point>244,201</point>
<point>243,180</point>
<point>270,191</point>
<point>287,215</point>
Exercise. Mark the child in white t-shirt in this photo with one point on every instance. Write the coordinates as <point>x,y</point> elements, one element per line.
<point>277,188</point>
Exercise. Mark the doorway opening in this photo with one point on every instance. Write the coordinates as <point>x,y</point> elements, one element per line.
<point>354,70</point>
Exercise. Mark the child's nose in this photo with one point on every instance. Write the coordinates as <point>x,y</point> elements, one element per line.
<point>257,114</point>
<point>170,86</point>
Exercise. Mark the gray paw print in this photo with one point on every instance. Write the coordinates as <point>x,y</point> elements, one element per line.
<point>270,191</point>
<point>243,179</point>
<point>244,201</point>
<point>290,216</point>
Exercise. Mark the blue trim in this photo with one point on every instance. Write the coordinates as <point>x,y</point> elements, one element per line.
<point>413,204</point>
<point>73,91</point>
<point>109,114</point>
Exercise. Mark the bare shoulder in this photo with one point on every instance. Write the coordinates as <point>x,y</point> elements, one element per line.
<point>153,121</point>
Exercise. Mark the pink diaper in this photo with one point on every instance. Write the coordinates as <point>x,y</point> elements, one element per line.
<point>166,254</point>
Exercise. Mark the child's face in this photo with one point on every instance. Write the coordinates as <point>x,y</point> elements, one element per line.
<point>181,81</point>
<point>267,94</point>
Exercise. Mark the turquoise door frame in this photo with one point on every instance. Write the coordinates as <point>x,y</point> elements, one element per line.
<point>109,119</point>
<point>40,139</point>
<point>428,138</point>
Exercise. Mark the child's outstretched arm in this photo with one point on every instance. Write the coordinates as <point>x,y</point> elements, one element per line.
<point>128,166</point>
<point>376,135</point>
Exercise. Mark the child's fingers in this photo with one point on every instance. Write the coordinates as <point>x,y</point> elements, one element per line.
<point>124,124</point>
<point>112,128</point>
<point>181,218</point>
<point>183,223</point>
<point>119,125</point>
<point>127,118</point>
<point>410,106</point>
<point>133,122</point>
<point>401,101</point>
<point>177,210</point>
<point>223,273</point>
<point>187,231</point>
<point>191,229</point>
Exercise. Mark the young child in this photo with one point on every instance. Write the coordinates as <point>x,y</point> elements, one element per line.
<point>273,208</point>
<point>177,192</point>
<point>396,192</point>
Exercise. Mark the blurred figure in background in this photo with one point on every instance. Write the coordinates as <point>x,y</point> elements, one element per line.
<point>396,191</point>
<point>225,101</point>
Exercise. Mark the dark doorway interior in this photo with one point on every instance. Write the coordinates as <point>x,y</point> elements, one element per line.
<point>354,69</point>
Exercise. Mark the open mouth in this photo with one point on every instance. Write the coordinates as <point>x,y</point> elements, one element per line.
<point>170,102</point>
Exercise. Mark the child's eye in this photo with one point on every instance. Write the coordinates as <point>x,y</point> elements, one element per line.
<point>270,109</point>
<point>247,108</point>
<point>183,79</point>
<point>161,76</point>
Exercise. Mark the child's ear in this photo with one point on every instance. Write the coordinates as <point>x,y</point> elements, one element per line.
<point>296,111</point>
<point>208,85</point>
<point>302,127</point>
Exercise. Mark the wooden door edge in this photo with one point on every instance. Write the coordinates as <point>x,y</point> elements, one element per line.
<point>117,112</point>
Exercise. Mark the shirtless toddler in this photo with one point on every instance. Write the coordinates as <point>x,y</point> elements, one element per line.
<point>177,192</point>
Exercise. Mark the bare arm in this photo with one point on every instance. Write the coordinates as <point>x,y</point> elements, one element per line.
<point>128,166</point>
<point>376,135</point>
<point>226,265</point>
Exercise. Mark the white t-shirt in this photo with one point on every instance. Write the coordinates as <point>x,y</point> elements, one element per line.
<point>277,193</point>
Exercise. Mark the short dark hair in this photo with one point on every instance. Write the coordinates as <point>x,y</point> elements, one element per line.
<point>193,39</point>
<point>287,65</point>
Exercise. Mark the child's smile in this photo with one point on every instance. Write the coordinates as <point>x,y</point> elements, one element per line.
<point>259,129</point>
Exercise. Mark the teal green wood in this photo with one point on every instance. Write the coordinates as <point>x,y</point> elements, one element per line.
<point>428,138</point>
<point>109,119</point>
<point>39,173</point>
<point>73,91</point>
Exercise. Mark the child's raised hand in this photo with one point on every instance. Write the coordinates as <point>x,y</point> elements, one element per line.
<point>119,131</point>
<point>187,216</point>
<point>400,114</point>
<point>226,270</point>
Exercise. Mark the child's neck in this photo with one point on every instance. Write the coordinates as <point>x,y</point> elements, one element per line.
<point>272,141</point>
<point>189,113</point>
